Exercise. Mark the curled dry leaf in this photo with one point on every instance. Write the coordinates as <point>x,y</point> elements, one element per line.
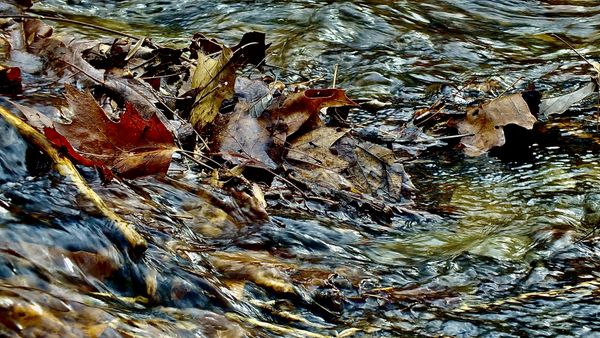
<point>130,148</point>
<point>486,123</point>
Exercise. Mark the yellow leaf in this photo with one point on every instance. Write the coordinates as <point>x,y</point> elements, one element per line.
<point>214,79</point>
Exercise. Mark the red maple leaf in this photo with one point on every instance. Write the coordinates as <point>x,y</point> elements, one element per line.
<point>129,148</point>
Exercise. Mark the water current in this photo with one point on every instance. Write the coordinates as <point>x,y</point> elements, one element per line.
<point>509,255</point>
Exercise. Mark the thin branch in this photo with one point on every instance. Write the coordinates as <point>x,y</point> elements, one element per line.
<point>573,49</point>
<point>335,74</point>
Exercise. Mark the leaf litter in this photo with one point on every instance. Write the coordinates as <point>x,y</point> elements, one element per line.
<point>264,146</point>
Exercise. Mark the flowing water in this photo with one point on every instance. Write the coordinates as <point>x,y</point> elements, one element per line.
<point>509,256</point>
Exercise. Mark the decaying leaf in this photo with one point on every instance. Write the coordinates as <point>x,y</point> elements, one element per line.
<point>66,168</point>
<point>314,148</point>
<point>486,122</point>
<point>35,29</point>
<point>560,104</point>
<point>262,269</point>
<point>302,109</point>
<point>263,139</point>
<point>214,80</point>
<point>375,170</point>
<point>130,148</point>
<point>10,80</point>
<point>243,138</point>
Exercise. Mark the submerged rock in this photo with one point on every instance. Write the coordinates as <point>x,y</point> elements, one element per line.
<point>591,209</point>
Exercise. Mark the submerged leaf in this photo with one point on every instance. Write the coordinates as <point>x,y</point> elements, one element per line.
<point>560,104</point>
<point>314,148</point>
<point>261,269</point>
<point>374,169</point>
<point>243,138</point>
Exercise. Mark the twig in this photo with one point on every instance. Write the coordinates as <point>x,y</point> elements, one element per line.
<point>573,49</point>
<point>512,85</point>
<point>594,66</point>
<point>449,137</point>
<point>191,158</point>
<point>66,168</point>
<point>335,72</point>
<point>437,111</point>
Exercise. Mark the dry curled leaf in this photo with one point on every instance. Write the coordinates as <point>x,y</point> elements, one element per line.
<point>486,123</point>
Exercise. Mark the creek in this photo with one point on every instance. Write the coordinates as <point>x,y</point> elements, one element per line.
<point>508,256</point>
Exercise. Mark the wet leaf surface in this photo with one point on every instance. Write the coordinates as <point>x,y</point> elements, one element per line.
<point>560,104</point>
<point>240,136</point>
<point>213,80</point>
<point>132,147</point>
<point>315,147</point>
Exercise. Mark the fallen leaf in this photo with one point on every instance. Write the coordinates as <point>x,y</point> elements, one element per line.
<point>251,48</point>
<point>130,148</point>
<point>260,268</point>
<point>486,123</point>
<point>302,109</point>
<point>214,81</point>
<point>259,196</point>
<point>374,169</point>
<point>314,148</point>
<point>35,29</point>
<point>240,136</point>
<point>560,104</point>
<point>322,180</point>
<point>10,80</point>
<point>64,59</point>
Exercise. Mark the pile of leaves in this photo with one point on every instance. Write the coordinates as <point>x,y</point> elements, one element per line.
<point>127,105</point>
